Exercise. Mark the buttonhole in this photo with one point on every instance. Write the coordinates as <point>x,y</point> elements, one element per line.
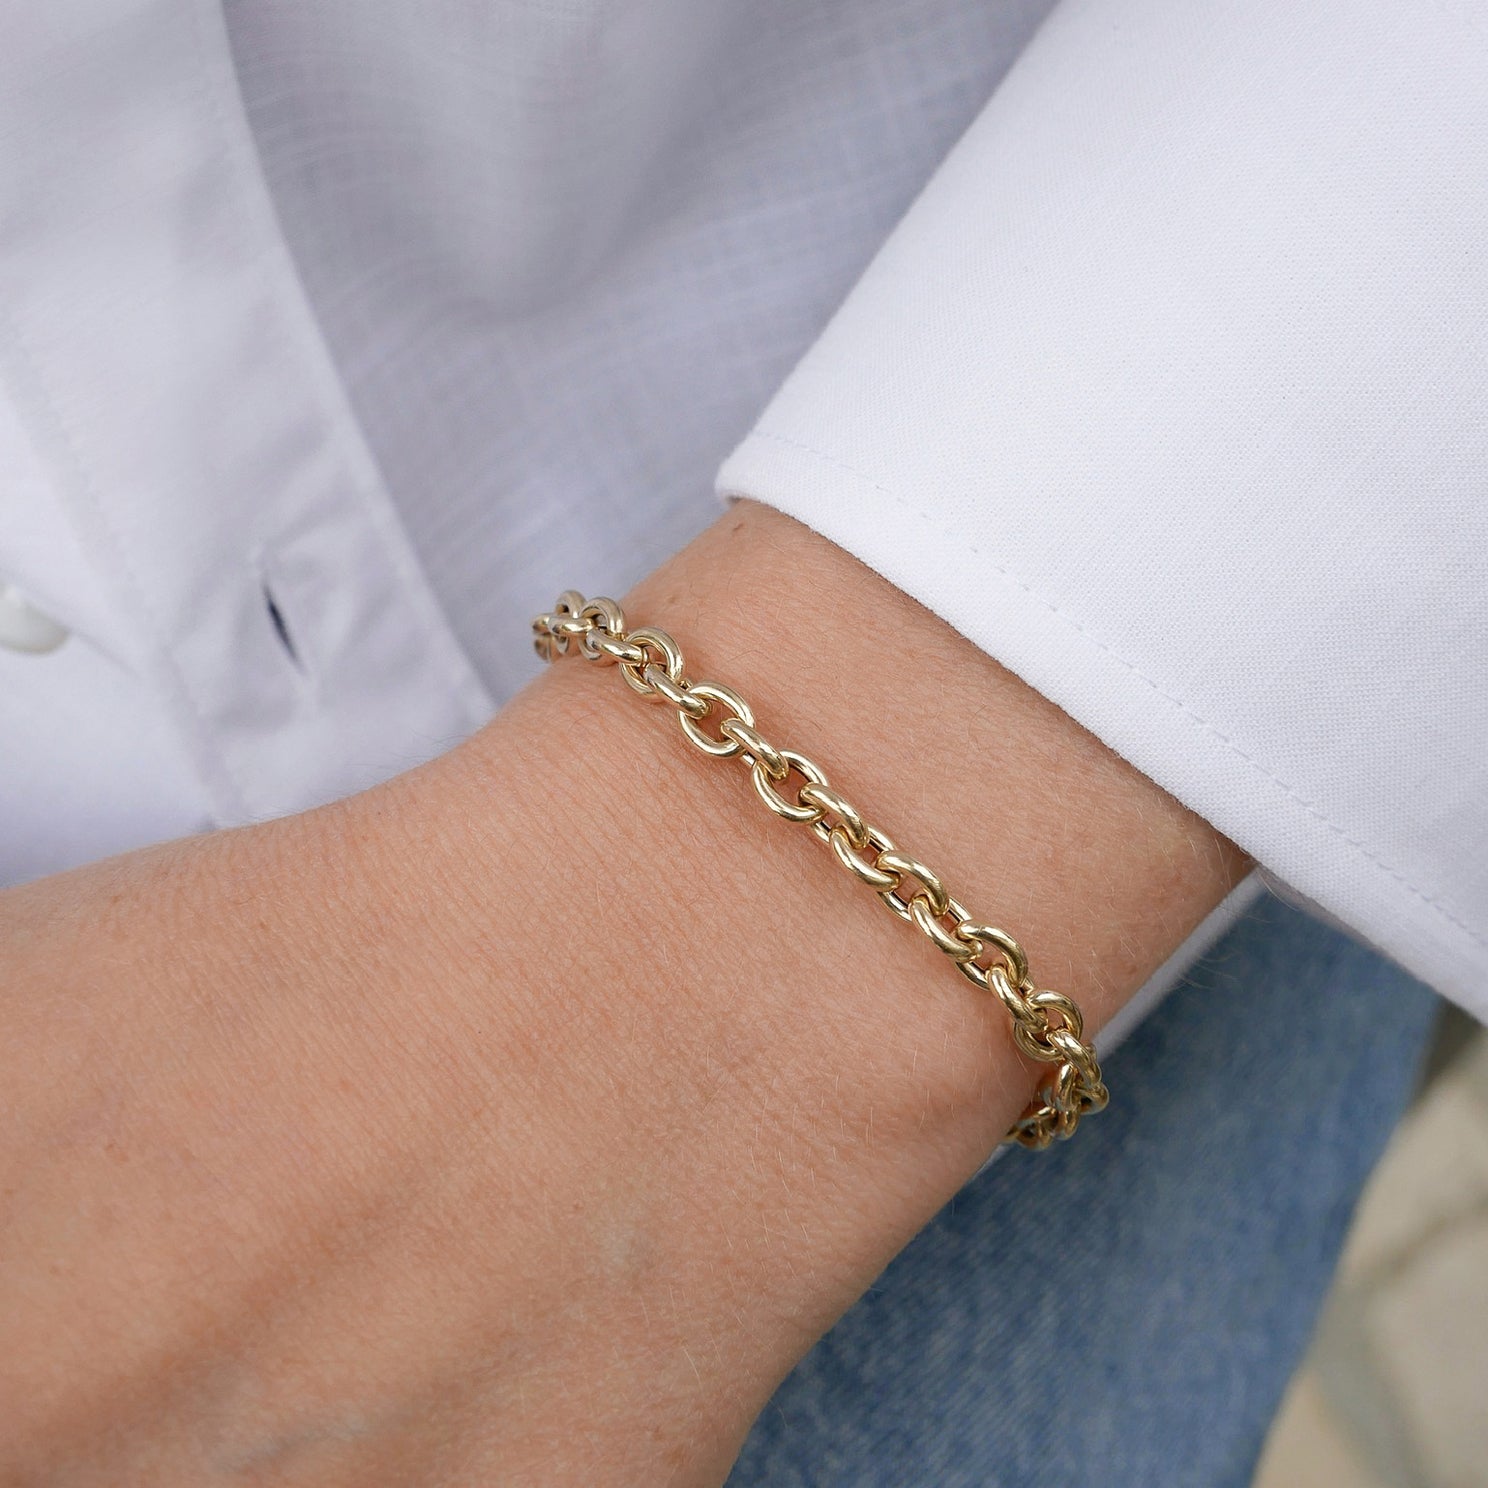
<point>281,628</point>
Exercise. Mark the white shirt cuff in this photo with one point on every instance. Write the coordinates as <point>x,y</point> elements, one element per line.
<point>1169,392</point>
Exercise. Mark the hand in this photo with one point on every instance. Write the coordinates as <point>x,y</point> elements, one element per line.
<point>524,1120</point>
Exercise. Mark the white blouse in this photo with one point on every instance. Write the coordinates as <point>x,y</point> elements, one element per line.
<point>335,339</point>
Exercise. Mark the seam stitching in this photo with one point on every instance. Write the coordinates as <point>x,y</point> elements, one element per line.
<point>1106,649</point>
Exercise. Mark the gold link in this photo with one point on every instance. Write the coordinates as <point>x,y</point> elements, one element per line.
<point>772,797</point>
<point>611,648</point>
<point>662,645</point>
<point>976,974</point>
<point>716,692</point>
<point>1065,1044</point>
<point>758,750</point>
<point>545,629</point>
<point>542,639</point>
<point>565,616</point>
<point>1012,953</point>
<point>1073,1019</point>
<point>1047,1026</point>
<point>1034,1042</point>
<point>1033,1129</point>
<point>931,890</point>
<point>1095,1096</point>
<point>830,802</point>
<point>1064,1094</point>
<point>948,941</point>
<point>607,618</point>
<point>676,693</point>
<point>869,873</point>
<point>606,611</point>
<point>1014,1001</point>
<point>694,707</point>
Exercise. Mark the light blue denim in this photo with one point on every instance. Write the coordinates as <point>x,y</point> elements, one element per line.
<point>1126,1309</point>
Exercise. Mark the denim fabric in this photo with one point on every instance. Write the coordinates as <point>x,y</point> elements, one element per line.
<point>1126,1309</point>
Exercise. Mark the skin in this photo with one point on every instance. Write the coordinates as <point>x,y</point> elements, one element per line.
<point>525,1119</point>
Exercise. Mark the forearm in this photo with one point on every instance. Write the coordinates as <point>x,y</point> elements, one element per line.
<point>590,1090</point>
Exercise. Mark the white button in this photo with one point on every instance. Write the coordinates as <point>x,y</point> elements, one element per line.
<point>23,627</point>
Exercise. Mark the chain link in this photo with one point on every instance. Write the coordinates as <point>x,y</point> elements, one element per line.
<point>1047,1026</point>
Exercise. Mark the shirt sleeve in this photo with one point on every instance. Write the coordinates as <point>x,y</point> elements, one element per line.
<point>1171,392</point>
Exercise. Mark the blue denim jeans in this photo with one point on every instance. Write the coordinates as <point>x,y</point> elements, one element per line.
<point>1126,1309</point>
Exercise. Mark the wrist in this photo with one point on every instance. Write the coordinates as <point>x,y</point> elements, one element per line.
<point>557,1080</point>
<point>800,1080</point>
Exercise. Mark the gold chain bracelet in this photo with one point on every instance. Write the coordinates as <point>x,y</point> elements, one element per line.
<point>1047,1026</point>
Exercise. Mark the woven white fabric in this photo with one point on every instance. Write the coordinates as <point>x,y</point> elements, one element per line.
<point>335,339</point>
<point>1169,392</point>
